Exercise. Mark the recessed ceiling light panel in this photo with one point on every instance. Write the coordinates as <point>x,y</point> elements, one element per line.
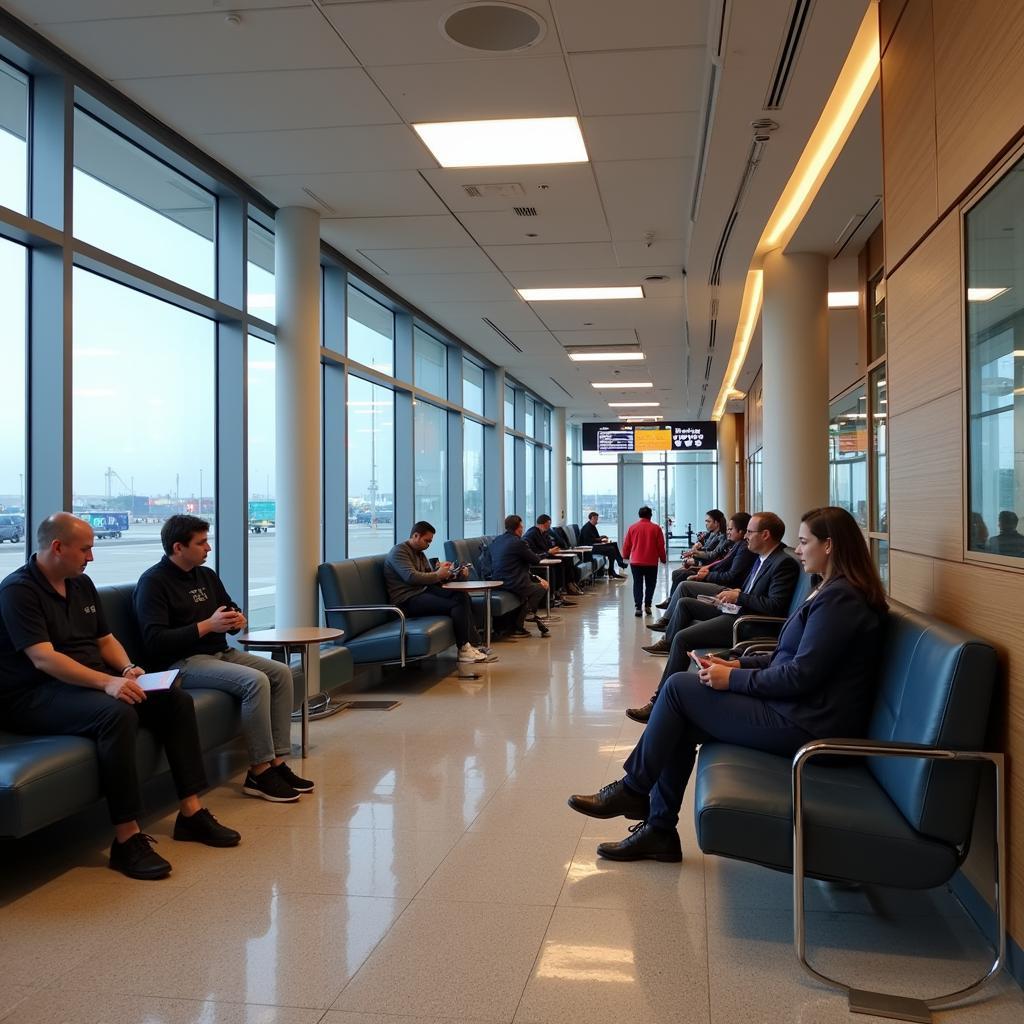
<point>623,385</point>
<point>578,294</point>
<point>507,143</point>
<point>842,300</point>
<point>634,405</point>
<point>605,357</point>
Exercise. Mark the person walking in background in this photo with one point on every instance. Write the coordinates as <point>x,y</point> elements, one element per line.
<point>644,547</point>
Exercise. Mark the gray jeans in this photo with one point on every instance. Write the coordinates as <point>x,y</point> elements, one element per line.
<point>265,689</point>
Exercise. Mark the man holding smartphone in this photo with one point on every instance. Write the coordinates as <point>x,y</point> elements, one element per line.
<point>185,613</point>
<point>416,588</point>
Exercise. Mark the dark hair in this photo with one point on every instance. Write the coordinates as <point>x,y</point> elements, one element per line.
<point>772,523</point>
<point>513,522</point>
<point>740,520</point>
<point>543,519</point>
<point>645,512</point>
<point>850,558</point>
<point>1008,520</point>
<point>181,530</point>
<point>590,515</point>
<point>422,527</point>
<point>718,516</point>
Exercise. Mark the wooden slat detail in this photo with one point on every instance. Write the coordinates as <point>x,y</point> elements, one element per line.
<point>926,500</point>
<point>908,132</point>
<point>979,87</point>
<point>923,318</point>
<point>888,14</point>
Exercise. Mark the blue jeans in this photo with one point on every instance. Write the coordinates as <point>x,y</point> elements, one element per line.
<point>686,714</point>
<point>265,688</point>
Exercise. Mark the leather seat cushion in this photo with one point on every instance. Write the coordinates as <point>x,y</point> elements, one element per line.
<point>424,636</point>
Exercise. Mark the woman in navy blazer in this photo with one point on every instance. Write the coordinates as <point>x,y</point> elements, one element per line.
<point>818,682</point>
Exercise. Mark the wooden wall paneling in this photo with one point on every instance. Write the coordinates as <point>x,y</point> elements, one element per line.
<point>979,88</point>
<point>911,580</point>
<point>926,505</point>
<point>923,316</point>
<point>889,12</point>
<point>908,132</point>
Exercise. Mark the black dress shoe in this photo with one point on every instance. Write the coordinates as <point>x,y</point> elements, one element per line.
<point>615,576</point>
<point>644,842</point>
<point>519,632</point>
<point>203,827</point>
<point>663,605</point>
<point>638,613</point>
<point>613,801</point>
<point>136,858</point>
<point>641,715</point>
<point>660,626</point>
<point>647,609</point>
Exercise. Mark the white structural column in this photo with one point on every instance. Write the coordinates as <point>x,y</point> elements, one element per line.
<point>794,331</point>
<point>297,371</point>
<point>559,494</point>
<point>727,464</point>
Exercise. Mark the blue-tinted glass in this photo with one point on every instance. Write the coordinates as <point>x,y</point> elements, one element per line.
<point>472,386</point>
<point>430,429</point>
<point>371,332</point>
<point>371,468</point>
<point>260,297</point>
<point>430,364</point>
<point>13,320</point>
<point>473,477</point>
<point>262,508</point>
<point>13,139</point>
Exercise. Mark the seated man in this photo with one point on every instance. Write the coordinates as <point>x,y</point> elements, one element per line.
<point>184,613</point>
<point>511,559</point>
<point>1009,540</point>
<point>62,672</point>
<point>727,572</point>
<point>544,543</point>
<point>589,537</point>
<point>767,590</point>
<point>416,588</point>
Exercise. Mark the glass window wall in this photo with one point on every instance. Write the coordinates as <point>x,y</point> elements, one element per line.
<point>599,487</point>
<point>473,478</point>
<point>430,430</point>
<point>13,322</point>
<point>510,475</point>
<point>262,510</point>
<point>371,468</point>
<point>530,497</point>
<point>473,387</point>
<point>136,207</point>
<point>879,395</point>
<point>848,454</point>
<point>510,407</point>
<point>371,332</point>
<point>430,364</point>
<point>13,139</point>
<point>260,297</point>
<point>531,420</point>
<point>143,421</point>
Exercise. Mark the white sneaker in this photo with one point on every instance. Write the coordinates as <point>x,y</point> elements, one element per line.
<point>467,653</point>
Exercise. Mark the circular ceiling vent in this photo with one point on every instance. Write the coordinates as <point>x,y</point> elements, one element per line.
<point>493,27</point>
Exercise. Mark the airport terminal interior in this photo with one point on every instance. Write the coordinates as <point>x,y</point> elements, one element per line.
<point>315,271</point>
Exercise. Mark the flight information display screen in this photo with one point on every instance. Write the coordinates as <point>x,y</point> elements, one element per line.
<point>693,436</point>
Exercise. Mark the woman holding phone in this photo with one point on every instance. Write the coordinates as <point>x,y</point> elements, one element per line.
<point>818,682</point>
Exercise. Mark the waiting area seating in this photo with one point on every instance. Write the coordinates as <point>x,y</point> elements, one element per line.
<point>467,552</point>
<point>898,808</point>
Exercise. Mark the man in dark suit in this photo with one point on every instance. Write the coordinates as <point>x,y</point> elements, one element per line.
<point>543,542</point>
<point>602,546</point>
<point>511,559</point>
<point>767,590</point>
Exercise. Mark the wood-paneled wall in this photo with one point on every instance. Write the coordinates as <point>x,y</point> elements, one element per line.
<point>952,106</point>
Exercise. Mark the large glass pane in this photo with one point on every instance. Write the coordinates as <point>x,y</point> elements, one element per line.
<point>544,489</point>
<point>510,474</point>
<point>143,421</point>
<point>260,298</point>
<point>510,407</point>
<point>755,480</point>
<point>546,434</point>
<point>876,313</point>
<point>692,490</point>
<point>371,468</point>
<point>879,393</point>
<point>262,511</point>
<point>473,478</point>
<point>530,502</point>
<point>371,332</point>
<point>995,367</point>
<point>13,320</point>
<point>430,364</point>
<point>13,139</point>
<point>430,438</point>
<point>599,490</point>
<point>531,422</point>
<point>472,386</point>
<point>848,454</point>
<point>136,207</point>
<point>880,555</point>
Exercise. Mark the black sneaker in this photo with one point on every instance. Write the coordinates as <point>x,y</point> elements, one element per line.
<point>136,858</point>
<point>520,632</point>
<point>638,613</point>
<point>203,827</point>
<point>270,785</point>
<point>297,783</point>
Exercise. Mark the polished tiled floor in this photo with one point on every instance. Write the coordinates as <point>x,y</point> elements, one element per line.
<point>437,875</point>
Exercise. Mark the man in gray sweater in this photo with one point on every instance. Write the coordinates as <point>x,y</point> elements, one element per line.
<point>416,588</point>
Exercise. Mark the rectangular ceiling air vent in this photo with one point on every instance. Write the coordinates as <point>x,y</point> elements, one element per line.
<point>316,199</point>
<point>557,385</point>
<point>525,211</point>
<point>497,330</point>
<point>796,29</point>
<point>502,190</point>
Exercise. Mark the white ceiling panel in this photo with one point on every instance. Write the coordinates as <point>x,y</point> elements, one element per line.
<point>349,234</point>
<point>426,289</point>
<point>42,12</point>
<point>587,337</point>
<point>456,260</point>
<point>664,314</point>
<point>646,195</point>
<point>659,253</point>
<point>479,89</point>
<point>509,316</point>
<point>641,136</point>
<point>408,31</point>
<point>200,104</point>
<point>553,257</point>
<point>559,187</point>
<point>502,227</point>
<point>601,24</point>
<point>387,147</point>
<point>197,44</point>
<point>365,194</point>
<point>635,82</point>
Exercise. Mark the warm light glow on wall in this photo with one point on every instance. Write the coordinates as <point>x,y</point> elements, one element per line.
<point>750,310</point>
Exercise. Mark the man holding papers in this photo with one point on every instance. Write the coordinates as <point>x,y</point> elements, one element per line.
<point>184,613</point>
<point>62,671</point>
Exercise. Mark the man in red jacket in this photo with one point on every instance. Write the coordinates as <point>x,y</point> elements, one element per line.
<point>644,546</point>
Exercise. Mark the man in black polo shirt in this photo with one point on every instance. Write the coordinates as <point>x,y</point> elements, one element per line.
<point>63,672</point>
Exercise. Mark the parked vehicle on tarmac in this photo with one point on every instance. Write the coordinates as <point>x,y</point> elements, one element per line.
<point>262,515</point>
<point>105,524</point>
<point>12,527</point>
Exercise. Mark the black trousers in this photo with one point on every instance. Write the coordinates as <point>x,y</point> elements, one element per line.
<point>611,549</point>
<point>531,597</point>
<point>645,579</point>
<point>438,601</point>
<point>54,708</point>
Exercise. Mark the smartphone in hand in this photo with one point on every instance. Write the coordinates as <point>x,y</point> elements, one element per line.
<point>699,661</point>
